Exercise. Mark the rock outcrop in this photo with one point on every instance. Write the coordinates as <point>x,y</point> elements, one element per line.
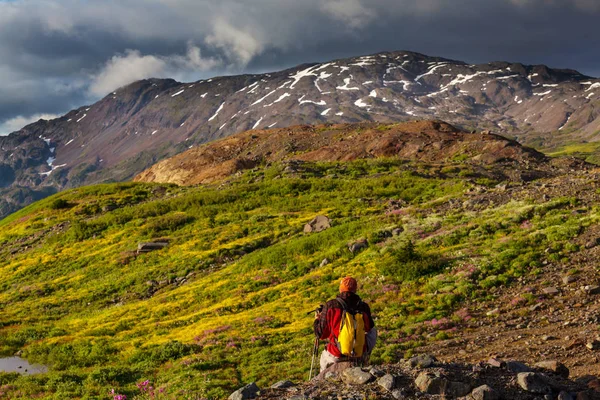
<point>423,378</point>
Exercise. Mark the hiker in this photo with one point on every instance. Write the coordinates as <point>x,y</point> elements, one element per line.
<point>354,340</point>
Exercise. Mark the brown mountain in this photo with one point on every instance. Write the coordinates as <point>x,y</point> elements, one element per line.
<point>421,141</point>
<point>138,125</point>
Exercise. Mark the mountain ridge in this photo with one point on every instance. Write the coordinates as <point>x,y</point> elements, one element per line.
<point>137,125</point>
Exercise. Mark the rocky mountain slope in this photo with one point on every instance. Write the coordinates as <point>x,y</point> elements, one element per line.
<point>132,128</point>
<point>429,141</point>
<point>196,291</point>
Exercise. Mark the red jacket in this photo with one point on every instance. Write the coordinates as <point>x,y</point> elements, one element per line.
<point>327,326</point>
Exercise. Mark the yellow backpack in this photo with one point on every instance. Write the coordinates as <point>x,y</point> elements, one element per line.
<point>352,336</point>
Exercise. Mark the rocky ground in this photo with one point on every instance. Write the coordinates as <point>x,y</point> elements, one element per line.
<point>424,377</point>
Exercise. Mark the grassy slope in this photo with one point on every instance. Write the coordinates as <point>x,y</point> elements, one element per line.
<point>71,299</point>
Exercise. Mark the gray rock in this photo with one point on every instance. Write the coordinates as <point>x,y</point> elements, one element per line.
<point>517,367</point>
<point>247,392</point>
<point>421,361</point>
<point>356,376</point>
<point>388,382</point>
<point>555,367</point>
<point>283,385</point>
<point>397,231</point>
<point>400,394</point>
<point>534,383</point>
<point>298,397</point>
<point>331,375</point>
<point>375,371</point>
<point>324,262</point>
<point>568,279</point>
<point>357,246</point>
<point>430,383</point>
<point>592,289</point>
<point>565,396</point>
<point>152,246</point>
<point>484,393</point>
<point>457,389</point>
<point>550,291</point>
<point>317,224</point>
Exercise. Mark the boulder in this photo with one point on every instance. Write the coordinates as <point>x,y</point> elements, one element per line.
<point>554,367</point>
<point>283,385</point>
<point>565,396</point>
<point>534,383</point>
<point>496,363</point>
<point>457,389</point>
<point>517,367</point>
<point>357,246</point>
<point>551,291</point>
<point>151,246</point>
<point>400,394</point>
<point>333,371</point>
<point>247,392</point>
<point>592,289</point>
<point>421,361</point>
<point>430,383</point>
<point>317,224</point>
<point>356,376</point>
<point>388,382</point>
<point>397,231</point>
<point>484,393</point>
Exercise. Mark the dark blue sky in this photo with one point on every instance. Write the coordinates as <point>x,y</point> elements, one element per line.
<point>59,54</point>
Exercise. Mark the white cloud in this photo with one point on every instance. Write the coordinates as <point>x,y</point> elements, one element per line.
<point>123,69</point>
<point>351,12</point>
<point>238,45</point>
<point>16,123</point>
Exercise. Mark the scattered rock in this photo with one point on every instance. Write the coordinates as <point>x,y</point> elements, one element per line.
<point>397,231</point>
<point>568,279</point>
<point>565,396</point>
<point>356,376</point>
<point>554,367</point>
<point>494,362</point>
<point>317,224</point>
<point>358,245</point>
<point>375,371</point>
<point>592,289</point>
<point>457,389</point>
<point>430,383</point>
<point>493,312</point>
<point>517,367</point>
<point>388,382</point>
<point>421,361</point>
<point>283,385</point>
<point>593,345</point>
<point>247,392</point>
<point>592,243</point>
<point>324,262</point>
<point>550,291</point>
<point>484,393</point>
<point>534,383</point>
<point>152,246</point>
<point>400,394</point>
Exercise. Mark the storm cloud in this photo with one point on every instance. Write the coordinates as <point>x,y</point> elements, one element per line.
<point>60,54</point>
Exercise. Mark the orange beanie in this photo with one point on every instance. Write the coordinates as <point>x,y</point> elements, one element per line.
<point>348,284</point>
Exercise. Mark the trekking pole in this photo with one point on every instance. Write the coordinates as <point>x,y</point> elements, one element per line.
<point>312,364</point>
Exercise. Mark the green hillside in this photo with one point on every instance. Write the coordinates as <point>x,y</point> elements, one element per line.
<point>226,302</point>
